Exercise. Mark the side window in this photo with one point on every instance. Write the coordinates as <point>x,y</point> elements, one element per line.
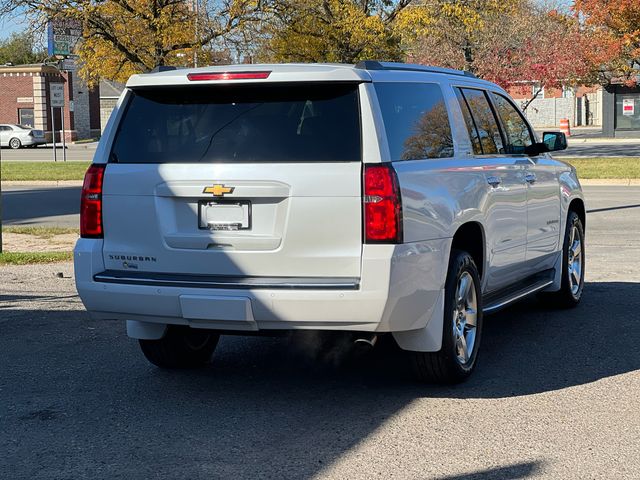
<point>416,120</point>
<point>516,129</point>
<point>485,121</point>
<point>468,120</point>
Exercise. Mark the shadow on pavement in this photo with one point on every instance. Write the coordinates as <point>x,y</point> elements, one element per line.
<point>78,399</point>
<point>511,472</point>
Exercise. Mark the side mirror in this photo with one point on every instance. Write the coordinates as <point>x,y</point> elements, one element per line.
<point>554,141</point>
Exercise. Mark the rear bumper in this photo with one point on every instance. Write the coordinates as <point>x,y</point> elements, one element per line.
<point>30,141</point>
<point>398,291</point>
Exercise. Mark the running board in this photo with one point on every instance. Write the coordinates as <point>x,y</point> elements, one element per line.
<point>501,299</point>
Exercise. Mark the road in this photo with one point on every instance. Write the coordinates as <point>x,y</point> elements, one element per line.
<point>41,206</point>
<point>75,153</point>
<point>577,148</point>
<point>554,396</point>
<point>620,149</point>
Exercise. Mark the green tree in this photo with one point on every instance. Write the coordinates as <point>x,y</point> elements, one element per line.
<point>20,49</point>
<point>335,30</point>
<point>123,37</point>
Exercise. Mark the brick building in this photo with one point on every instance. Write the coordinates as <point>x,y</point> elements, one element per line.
<point>24,99</point>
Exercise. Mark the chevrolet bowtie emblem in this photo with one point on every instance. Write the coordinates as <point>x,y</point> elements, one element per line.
<point>218,190</point>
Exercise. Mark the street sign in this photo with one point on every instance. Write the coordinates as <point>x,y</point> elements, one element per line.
<point>62,35</point>
<point>628,107</point>
<point>57,95</point>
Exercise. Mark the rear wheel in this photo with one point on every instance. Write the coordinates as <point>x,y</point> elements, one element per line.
<point>181,347</point>
<point>462,325</point>
<point>15,143</point>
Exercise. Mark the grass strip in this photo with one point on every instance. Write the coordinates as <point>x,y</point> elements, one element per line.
<point>606,167</point>
<point>44,233</point>
<point>587,167</point>
<point>36,171</point>
<point>32,258</point>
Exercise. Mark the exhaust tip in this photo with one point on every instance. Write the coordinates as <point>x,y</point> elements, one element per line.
<point>368,341</point>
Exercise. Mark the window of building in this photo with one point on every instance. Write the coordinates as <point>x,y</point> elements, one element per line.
<point>25,117</point>
<point>628,111</point>
<point>535,88</point>
<point>415,119</point>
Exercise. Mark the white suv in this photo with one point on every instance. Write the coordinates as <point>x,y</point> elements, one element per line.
<point>372,198</point>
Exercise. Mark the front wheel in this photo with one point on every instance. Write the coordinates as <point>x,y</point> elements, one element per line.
<point>462,328</point>
<point>181,347</point>
<point>573,263</point>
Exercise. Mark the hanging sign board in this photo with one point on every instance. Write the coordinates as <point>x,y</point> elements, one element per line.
<point>62,36</point>
<point>628,107</point>
<point>56,94</point>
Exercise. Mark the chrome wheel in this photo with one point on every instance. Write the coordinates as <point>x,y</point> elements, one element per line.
<point>465,317</point>
<point>575,260</point>
<point>14,143</point>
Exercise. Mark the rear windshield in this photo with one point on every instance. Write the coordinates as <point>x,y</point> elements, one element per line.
<point>301,123</point>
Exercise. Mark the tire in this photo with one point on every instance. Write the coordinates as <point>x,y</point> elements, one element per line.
<point>181,347</point>
<point>573,265</point>
<point>454,363</point>
<point>15,143</point>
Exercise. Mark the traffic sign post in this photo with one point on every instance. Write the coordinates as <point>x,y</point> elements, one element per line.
<point>0,200</point>
<point>56,99</point>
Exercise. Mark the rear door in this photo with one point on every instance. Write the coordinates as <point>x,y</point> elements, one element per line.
<point>236,181</point>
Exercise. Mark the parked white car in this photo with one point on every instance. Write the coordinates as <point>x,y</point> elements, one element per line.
<point>16,136</point>
<point>375,198</point>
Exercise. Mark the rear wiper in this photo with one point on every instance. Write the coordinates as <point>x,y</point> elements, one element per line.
<point>250,109</point>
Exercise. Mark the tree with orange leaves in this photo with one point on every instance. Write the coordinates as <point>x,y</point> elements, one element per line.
<point>617,25</point>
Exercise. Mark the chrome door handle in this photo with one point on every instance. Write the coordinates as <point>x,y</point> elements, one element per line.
<point>494,181</point>
<point>530,178</point>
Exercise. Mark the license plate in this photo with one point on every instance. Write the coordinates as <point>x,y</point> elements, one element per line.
<point>226,216</point>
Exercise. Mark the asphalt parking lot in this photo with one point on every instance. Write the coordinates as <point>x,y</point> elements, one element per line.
<point>555,394</point>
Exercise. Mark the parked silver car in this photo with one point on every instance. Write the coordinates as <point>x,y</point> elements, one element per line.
<point>16,136</point>
<point>370,199</point>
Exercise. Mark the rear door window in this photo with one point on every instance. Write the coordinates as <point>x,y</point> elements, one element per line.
<point>292,123</point>
<point>516,128</point>
<point>415,119</point>
<point>486,125</point>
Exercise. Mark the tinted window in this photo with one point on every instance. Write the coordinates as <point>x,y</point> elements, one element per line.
<point>471,126</point>
<point>302,123</point>
<point>416,120</point>
<point>485,121</point>
<point>516,129</point>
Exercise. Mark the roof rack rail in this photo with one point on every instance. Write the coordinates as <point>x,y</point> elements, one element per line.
<point>375,65</point>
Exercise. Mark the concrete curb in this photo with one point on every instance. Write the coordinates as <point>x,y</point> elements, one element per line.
<point>604,141</point>
<point>42,183</point>
<point>610,182</point>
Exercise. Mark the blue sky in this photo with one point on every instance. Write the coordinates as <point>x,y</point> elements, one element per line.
<point>10,24</point>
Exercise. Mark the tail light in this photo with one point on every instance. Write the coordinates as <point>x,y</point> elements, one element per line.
<point>91,203</point>
<point>382,205</point>
<point>195,77</point>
